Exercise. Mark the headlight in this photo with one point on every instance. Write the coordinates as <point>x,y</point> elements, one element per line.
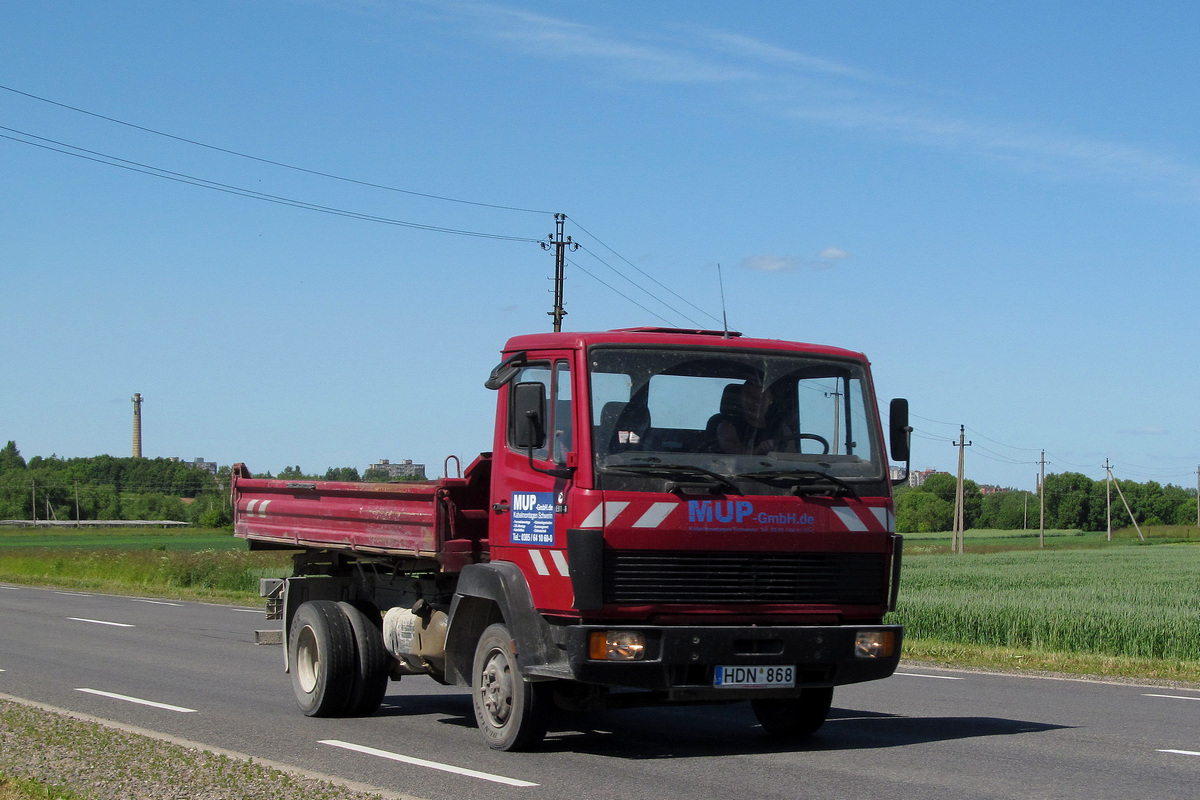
<point>874,644</point>
<point>616,646</point>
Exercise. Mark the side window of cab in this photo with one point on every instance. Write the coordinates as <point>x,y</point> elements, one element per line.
<point>556,390</point>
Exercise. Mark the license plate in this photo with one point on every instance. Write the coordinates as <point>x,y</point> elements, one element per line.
<point>756,677</point>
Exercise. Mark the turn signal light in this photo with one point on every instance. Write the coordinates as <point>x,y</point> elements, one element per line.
<point>874,644</point>
<point>616,646</point>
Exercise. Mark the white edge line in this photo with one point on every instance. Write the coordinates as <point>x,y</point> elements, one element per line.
<point>919,675</point>
<point>139,701</point>
<point>155,602</point>
<point>1181,752</point>
<point>102,622</point>
<point>1171,696</point>
<point>420,762</point>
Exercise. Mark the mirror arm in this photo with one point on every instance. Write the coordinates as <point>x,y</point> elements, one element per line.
<point>554,472</point>
<point>908,461</point>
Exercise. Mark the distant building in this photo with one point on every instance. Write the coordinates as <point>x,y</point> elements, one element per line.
<point>918,478</point>
<point>197,463</point>
<point>405,469</point>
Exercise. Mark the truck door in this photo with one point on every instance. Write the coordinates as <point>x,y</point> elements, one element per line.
<point>529,503</point>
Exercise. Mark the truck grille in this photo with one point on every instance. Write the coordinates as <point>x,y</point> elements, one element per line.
<point>639,576</point>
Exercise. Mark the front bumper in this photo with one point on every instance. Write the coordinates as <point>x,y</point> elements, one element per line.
<point>681,660</point>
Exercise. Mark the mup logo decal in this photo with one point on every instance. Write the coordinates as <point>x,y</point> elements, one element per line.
<point>532,521</point>
<point>727,515</point>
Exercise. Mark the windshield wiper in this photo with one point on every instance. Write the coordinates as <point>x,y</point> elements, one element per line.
<point>669,471</point>
<point>802,481</point>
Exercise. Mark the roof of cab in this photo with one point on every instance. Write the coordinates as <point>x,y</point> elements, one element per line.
<point>672,337</point>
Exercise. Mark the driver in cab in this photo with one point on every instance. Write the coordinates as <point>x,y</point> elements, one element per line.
<point>747,424</point>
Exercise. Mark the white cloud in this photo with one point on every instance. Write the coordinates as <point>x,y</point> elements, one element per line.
<point>782,82</point>
<point>769,262</point>
<point>1144,430</point>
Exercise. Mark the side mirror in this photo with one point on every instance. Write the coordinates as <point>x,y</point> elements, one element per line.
<point>529,415</point>
<point>901,432</point>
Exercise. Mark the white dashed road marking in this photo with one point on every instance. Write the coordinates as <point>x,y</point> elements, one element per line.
<point>420,762</point>
<point>139,701</point>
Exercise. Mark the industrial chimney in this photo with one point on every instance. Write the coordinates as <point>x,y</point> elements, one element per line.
<point>137,425</point>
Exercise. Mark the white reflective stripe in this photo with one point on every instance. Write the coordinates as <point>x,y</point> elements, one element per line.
<point>605,512</point>
<point>655,515</point>
<point>262,508</point>
<point>539,563</point>
<point>849,519</point>
<point>885,518</point>
<point>250,506</point>
<point>560,562</point>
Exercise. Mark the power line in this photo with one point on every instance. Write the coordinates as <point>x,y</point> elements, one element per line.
<point>607,285</point>
<point>640,288</point>
<point>159,172</point>
<point>179,177</point>
<point>643,272</point>
<point>270,161</point>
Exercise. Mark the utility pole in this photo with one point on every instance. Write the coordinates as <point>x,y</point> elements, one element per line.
<point>837,405</point>
<point>1042,494</point>
<point>958,545</point>
<point>1128,510</point>
<point>560,246</point>
<point>1108,495</point>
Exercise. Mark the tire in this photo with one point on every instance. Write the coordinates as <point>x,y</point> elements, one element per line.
<point>511,712</point>
<point>371,676</point>
<point>321,658</point>
<point>797,717</point>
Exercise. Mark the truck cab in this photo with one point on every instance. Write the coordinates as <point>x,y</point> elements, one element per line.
<point>696,515</point>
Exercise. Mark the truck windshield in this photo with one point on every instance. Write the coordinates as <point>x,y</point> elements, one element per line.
<point>750,422</point>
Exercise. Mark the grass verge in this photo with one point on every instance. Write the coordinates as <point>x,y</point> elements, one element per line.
<point>212,566</point>
<point>1023,660</point>
<point>48,754</point>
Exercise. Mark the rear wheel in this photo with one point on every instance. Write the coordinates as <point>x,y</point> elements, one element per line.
<point>371,678</point>
<point>796,717</point>
<point>511,712</point>
<point>322,658</point>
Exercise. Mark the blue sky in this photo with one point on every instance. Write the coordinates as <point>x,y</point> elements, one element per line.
<point>997,203</point>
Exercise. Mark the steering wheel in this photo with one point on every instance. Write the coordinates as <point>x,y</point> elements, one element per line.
<point>797,437</point>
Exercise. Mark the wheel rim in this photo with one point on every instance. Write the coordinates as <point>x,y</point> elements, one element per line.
<point>495,687</point>
<point>308,660</point>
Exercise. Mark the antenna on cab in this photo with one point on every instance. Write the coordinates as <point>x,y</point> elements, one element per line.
<point>724,319</point>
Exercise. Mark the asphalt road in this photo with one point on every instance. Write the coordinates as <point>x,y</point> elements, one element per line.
<point>192,670</point>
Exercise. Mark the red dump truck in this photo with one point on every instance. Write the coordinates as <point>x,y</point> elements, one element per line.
<point>666,516</point>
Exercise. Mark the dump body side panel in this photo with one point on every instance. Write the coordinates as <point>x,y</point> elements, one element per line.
<point>441,519</point>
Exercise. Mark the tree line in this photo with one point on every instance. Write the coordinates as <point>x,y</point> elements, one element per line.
<point>110,488</point>
<point>1073,502</point>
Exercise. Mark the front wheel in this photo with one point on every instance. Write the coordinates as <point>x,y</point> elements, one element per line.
<point>796,717</point>
<point>511,712</point>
